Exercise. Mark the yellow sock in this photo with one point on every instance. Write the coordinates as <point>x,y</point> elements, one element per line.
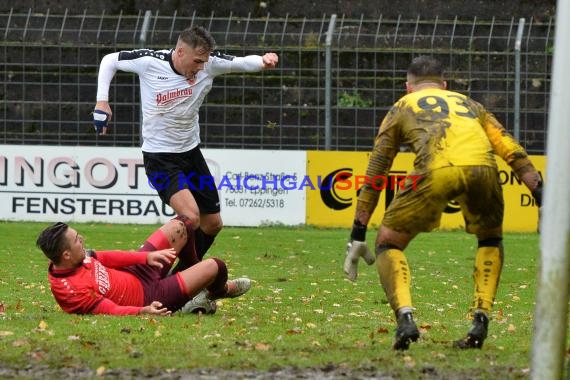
<point>395,277</point>
<point>486,275</point>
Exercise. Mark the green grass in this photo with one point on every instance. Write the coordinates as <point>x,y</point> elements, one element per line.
<point>300,312</point>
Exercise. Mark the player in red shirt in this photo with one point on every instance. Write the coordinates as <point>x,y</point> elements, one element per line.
<point>124,282</point>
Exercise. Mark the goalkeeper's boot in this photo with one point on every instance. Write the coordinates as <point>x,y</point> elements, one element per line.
<point>476,334</point>
<point>200,304</point>
<point>406,333</point>
<point>354,251</point>
<point>238,287</point>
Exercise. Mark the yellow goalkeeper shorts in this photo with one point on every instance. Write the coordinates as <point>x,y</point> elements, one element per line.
<point>476,189</point>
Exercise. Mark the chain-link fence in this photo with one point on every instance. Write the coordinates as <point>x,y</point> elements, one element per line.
<point>49,68</point>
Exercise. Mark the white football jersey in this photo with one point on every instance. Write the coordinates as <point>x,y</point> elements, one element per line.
<point>170,102</point>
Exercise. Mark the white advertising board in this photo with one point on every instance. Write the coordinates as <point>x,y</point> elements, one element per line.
<point>259,186</point>
<point>102,184</point>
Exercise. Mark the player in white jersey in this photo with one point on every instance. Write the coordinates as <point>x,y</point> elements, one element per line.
<point>173,84</point>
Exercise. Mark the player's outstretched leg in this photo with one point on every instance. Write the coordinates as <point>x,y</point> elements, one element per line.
<point>200,304</point>
<point>205,302</point>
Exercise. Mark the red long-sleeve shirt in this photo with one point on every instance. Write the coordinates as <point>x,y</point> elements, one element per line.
<point>98,286</point>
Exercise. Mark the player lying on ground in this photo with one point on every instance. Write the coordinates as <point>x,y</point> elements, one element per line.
<point>125,282</point>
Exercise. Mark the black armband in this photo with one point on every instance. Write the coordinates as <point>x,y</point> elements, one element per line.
<point>358,231</point>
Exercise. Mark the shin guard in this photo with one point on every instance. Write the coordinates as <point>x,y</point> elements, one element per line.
<point>487,272</point>
<point>394,276</point>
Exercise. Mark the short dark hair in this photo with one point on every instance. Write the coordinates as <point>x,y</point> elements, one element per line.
<point>426,69</point>
<point>197,36</point>
<point>52,241</point>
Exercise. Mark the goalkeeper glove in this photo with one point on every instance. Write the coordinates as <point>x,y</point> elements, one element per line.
<point>100,121</point>
<point>355,249</point>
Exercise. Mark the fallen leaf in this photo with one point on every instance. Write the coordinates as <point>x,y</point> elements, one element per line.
<point>295,330</point>
<point>382,330</point>
<point>6,333</point>
<point>438,355</point>
<point>42,325</point>
<point>262,347</point>
<point>38,356</point>
<point>511,328</point>
<point>409,362</point>
<point>100,371</point>
<point>19,342</point>
<point>359,344</point>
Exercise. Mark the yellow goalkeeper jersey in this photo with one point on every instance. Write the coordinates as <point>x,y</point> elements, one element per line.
<point>443,128</point>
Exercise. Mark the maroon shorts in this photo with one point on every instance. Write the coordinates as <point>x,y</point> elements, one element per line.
<point>157,286</point>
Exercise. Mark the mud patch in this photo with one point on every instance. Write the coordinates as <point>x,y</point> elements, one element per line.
<point>279,373</point>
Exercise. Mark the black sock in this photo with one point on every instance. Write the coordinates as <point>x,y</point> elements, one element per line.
<point>203,242</point>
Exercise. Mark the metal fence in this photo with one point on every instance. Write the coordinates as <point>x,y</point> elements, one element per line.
<point>49,62</point>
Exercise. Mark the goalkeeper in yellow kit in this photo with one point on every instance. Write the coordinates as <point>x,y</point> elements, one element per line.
<point>454,139</point>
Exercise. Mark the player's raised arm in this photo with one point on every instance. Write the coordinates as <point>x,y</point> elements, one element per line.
<point>270,60</point>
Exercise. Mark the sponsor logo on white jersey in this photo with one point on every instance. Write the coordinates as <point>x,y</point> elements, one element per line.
<point>165,97</point>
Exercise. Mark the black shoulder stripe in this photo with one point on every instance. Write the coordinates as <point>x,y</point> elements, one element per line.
<point>134,54</point>
<point>221,55</point>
